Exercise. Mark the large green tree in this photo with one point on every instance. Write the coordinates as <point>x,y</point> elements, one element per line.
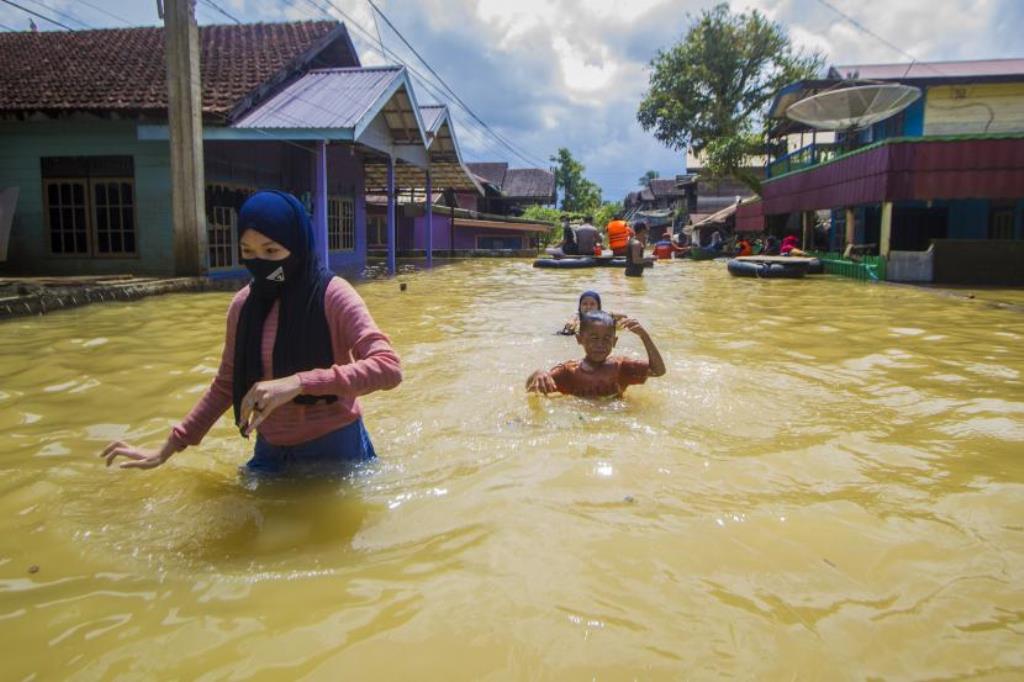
<point>710,90</point>
<point>578,193</point>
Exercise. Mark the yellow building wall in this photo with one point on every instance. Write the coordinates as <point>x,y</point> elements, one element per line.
<point>980,108</point>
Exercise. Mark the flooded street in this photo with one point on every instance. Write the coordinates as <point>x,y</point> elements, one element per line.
<point>828,483</point>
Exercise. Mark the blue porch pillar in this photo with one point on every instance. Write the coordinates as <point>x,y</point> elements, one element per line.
<point>392,249</point>
<point>429,223</point>
<point>320,201</point>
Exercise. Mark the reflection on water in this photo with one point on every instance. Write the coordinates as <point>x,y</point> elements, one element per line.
<point>827,483</point>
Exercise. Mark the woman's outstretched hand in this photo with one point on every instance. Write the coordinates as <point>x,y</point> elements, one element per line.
<point>138,458</point>
<point>263,398</point>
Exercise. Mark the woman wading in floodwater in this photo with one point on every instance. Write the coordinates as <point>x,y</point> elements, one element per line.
<point>300,347</point>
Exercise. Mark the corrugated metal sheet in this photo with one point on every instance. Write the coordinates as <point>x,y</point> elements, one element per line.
<point>907,170</point>
<point>432,114</point>
<point>750,217</point>
<point>932,70</point>
<point>325,98</point>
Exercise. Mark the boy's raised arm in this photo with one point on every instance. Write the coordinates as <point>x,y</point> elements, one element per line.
<point>657,365</point>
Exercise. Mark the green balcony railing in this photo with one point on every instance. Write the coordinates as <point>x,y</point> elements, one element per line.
<point>805,157</point>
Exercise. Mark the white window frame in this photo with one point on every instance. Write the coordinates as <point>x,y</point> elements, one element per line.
<point>90,208</point>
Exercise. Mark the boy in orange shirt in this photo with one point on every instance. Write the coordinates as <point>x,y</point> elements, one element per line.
<point>599,374</point>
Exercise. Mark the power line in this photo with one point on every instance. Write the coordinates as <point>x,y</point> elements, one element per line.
<point>60,13</point>
<point>868,31</point>
<point>453,96</point>
<point>438,76</point>
<point>387,53</point>
<point>221,10</point>
<point>376,26</point>
<point>8,28</point>
<point>37,14</point>
<point>103,11</point>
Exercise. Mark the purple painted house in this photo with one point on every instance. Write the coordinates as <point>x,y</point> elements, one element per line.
<point>423,225</point>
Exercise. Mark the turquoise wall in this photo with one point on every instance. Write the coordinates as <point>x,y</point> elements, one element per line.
<point>968,219</point>
<point>23,144</point>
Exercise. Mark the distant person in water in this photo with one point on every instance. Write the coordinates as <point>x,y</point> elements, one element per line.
<point>587,237</point>
<point>744,247</point>
<point>588,303</point>
<point>599,374</point>
<point>568,244</point>
<point>619,234</point>
<point>789,247</point>
<point>300,347</point>
<point>635,251</point>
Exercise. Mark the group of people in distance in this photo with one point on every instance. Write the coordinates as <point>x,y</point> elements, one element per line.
<point>769,245</point>
<point>623,240</point>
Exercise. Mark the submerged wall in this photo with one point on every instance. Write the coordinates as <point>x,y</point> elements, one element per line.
<point>979,261</point>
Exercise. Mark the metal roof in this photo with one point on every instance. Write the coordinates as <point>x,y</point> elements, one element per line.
<point>447,171</point>
<point>339,99</point>
<point>433,115</point>
<point>983,68</point>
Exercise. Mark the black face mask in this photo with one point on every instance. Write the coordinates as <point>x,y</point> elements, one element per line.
<point>270,276</point>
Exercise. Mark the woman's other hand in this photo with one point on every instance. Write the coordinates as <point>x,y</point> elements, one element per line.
<point>138,458</point>
<point>263,398</point>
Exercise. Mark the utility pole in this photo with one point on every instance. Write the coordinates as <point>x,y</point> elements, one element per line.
<point>185,121</point>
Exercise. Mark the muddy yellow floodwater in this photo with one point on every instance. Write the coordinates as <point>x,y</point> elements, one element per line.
<point>828,484</point>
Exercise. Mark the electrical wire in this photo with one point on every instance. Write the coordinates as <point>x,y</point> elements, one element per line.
<point>891,46</point>
<point>387,53</point>
<point>59,13</point>
<point>103,11</point>
<point>37,14</point>
<point>221,10</point>
<point>434,72</point>
<point>453,98</point>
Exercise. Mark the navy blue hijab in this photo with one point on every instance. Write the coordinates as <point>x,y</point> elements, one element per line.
<point>299,282</point>
<point>590,293</point>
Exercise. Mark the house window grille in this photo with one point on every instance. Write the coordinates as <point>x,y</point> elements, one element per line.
<point>67,212</point>
<point>89,205</point>
<point>341,235</point>
<point>220,237</point>
<point>223,202</point>
<point>113,213</point>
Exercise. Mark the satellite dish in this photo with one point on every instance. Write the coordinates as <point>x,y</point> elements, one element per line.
<point>853,107</point>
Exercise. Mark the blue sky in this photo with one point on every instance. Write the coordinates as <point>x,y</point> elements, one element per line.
<point>570,73</point>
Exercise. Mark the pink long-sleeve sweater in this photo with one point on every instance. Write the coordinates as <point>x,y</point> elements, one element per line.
<point>364,362</point>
